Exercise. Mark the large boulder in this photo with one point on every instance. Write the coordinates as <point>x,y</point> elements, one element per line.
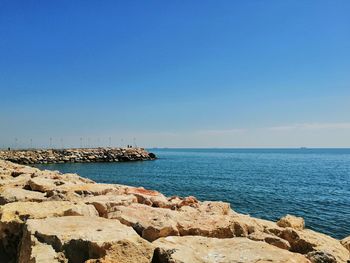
<point>104,204</point>
<point>270,239</point>
<point>14,215</point>
<point>194,249</point>
<point>90,189</point>
<point>152,223</point>
<point>43,184</point>
<point>297,223</point>
<point>13,194</point>
<point>346,242</point>
<point>79,239</point>
<point>148,197</point>
<point>307,241</point>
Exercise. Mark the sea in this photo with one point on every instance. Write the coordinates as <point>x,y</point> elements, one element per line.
<point>264,183</point>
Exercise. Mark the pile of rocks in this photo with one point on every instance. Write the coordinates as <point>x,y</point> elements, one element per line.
<point>46,216</point>
<point>80,155</point>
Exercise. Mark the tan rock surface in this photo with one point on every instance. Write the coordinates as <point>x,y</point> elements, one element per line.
<point>104,204</point>
<point>307,241</point>
<point>13,194</point>
<point>292,221</point>
<point>346,242</point>
<point>78,239</point>
<point>148,197</point>
<point>191,249</point>
<point>152,223</point>
<point>14,215</point>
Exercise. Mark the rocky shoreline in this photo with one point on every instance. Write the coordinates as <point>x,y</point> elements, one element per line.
<point>77,155</point>
<point>47,216</point>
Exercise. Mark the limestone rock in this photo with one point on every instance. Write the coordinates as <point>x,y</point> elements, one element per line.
<point>79,239</point>
<point>321,257</point>
<point>105,203</point>
<point>346,242</point>
<point>41,184</point>
<point>307,241</point>
<point>12,194</point>
<point>219,208</point>
<point>92,189</point>
<point>23,170</point>
<point>152,223</point>
<point>292,221</point>
<point>20,211</point>
<point>14,215</point>
<point>270,239</point>
<point>148,197</point>
<point>191,249</point>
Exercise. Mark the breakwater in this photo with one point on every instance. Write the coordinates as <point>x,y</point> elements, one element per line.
<point>77,155</point>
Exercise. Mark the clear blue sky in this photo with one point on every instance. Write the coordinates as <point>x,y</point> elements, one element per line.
<point>175,73</point>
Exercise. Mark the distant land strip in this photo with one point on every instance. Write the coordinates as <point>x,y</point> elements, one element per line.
<point>76,155</point>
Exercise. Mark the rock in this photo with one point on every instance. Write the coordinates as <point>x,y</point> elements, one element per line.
<point>152,223</point>
<point>104,204</point>
<point>191,249</point>
<point>41,184</point>
<point>23,170</point>
<point>78,239</point>
<point>148,197</point>
<point>12,194</point>
<point>188,201</point>
<point>76,155</point>
<point>307,241</point>
<point>18,181</point>
<point>219,208</point>
<point>292,221</point>
<point>346,242</point>
<point>270,239</point>
<point>92,189</point>
<point>321,257</point>
<point>14,215</point>
<point>20,211</point>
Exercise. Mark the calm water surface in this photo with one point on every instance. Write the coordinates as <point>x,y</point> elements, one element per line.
<point>265,183</point>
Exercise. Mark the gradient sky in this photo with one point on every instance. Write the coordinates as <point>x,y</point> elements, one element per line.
<point>175,73</point>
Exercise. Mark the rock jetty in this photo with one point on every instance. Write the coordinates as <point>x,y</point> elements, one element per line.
<point>47,216</point>
<point>79,155</point>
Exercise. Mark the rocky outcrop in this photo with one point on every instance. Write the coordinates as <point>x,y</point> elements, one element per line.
<point>292,221</point>
<point>78,239</point>
<point>80,155</point>
<point>46,216</point>
<point>346,242</point>
<point>192,249</point>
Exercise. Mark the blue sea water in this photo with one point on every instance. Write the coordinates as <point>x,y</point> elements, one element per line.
<point>265,183</point>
